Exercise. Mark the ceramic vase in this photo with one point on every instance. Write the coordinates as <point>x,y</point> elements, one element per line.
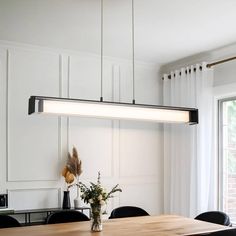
<point>77,200</point>
<point>66,200</point>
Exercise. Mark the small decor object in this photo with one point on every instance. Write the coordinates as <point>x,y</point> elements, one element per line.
<point>77,199</point>
<point>66,200</point>
<point>96,196</point>
<point>3,200</point>
<point>71,172</point>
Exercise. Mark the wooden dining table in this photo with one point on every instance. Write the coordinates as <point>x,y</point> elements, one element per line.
<point>162,225</point>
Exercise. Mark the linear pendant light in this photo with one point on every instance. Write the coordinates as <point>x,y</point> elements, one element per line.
<point>112,110</point>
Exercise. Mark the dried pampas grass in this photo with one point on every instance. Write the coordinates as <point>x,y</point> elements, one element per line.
<point>74,164</point>
<point>73,167</point>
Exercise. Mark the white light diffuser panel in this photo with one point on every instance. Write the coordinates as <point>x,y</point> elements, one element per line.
<point>109,110</point>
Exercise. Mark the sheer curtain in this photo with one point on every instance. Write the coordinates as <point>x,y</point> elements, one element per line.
<point>188,150</point>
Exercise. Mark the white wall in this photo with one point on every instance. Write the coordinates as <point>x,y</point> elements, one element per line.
<point>225,74</point>
<point>69,24</point>
<point>33,148</point>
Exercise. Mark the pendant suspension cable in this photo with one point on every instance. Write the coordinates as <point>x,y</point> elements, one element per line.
<point>101,98</point>
<point>133,51</point>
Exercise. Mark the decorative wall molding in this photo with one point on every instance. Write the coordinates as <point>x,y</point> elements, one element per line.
<point>46,196</point>
<point>11,52</point>
<point>78,82</point>
<point>12,44</point>
<point>3,118</point>
<point>7,115</point>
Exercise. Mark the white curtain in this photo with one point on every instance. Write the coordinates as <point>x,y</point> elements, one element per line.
<point>189,183</point>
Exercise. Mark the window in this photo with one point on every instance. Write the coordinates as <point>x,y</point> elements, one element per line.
<point>227,156</point>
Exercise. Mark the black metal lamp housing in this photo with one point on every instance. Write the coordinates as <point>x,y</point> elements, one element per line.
<point>111,110</point>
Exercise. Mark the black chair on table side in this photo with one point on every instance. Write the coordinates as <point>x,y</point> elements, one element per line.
<point>8,221</point>
<point>127,211</point>
<point>66,217</point>
<point>228,232</point>
<point>216,217</point>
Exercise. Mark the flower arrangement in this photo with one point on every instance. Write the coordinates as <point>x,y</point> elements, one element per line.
<point>96,196</point>
<point>72,169</point>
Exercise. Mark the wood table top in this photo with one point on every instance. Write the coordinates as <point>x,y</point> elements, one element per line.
<point>162,225</point>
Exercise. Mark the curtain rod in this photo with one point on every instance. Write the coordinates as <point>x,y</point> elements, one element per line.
<point>220,62</point>
<point>209,65</point>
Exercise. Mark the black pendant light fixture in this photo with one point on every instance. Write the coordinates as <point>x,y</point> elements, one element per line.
<point>112,110</point>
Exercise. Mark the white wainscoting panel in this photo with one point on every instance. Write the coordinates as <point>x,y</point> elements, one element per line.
<point>126,83</point>
<point>145,196</point>
<point>92,137</point>
<point>139,149</point>
<point>22,199</point>
<point>3,118</point>
<point>148,89</point>
<point>84,79</point>
<point>32,140</point>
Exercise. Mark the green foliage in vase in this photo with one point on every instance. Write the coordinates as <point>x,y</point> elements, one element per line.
<point>95,194</point>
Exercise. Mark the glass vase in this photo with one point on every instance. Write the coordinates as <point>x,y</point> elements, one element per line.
<point>96,218</point>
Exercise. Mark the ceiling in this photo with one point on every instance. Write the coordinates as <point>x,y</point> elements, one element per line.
<point>165,30</point>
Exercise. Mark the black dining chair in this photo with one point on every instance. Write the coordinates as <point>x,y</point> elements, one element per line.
<point>217,217</point>
<point>8,221</point>
<point>127,211</point>
<point>227,232</point>
<point>66,217</point>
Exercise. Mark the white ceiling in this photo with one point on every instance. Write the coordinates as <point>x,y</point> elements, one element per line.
<point>165,30</point>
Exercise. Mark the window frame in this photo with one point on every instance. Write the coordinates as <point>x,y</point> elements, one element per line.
<point>220,150</point>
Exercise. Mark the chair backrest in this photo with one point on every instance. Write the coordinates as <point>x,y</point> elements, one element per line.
<point>228,232</point>
<point>127,211</point>
<point>216,217</point>
<point>8,221</point>
<point>66,216</point>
